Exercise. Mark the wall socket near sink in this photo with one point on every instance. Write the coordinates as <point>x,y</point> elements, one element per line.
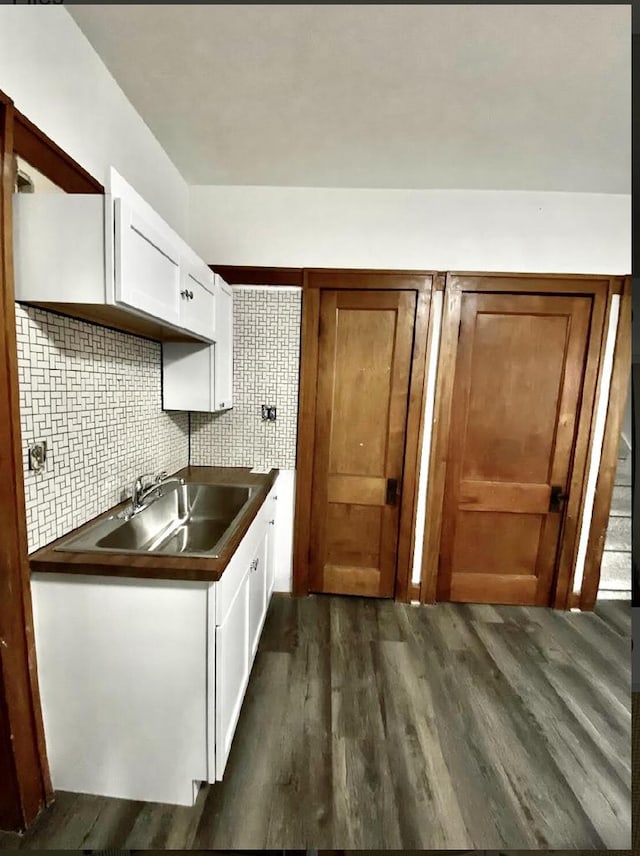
<point>37,455</point>
<point>268,413</point>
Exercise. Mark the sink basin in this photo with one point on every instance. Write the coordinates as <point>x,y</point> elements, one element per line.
<point>207,519</point>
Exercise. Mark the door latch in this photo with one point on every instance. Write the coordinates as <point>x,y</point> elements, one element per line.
<point>392,491</point>
<point>557,498</point>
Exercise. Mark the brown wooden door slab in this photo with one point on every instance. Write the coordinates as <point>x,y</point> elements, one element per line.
<point>364,361</point>
<point>517,388</point>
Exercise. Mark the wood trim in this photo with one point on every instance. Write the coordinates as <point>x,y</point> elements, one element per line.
<point>242,275</point>
<point>314,281</point>
<point>608,463</point>
<point>440,439</point>
<point>306,438</point>
<point>415,414</point>
<point>570,535</point>
<point>599,289</point>
<point>47,157</point>
<point>414,592</point>
<point>338,278</point>
<point>415,589</point>
<point>24,772</point>
<point>537,283</point>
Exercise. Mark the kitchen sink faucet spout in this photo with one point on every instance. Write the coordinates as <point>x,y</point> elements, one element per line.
<point>141,492</point>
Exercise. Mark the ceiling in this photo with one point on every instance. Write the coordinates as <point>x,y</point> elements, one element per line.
<point>512,97</point>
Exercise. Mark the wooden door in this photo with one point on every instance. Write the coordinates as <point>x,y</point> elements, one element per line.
<point>517,388</point>
<point>364,360</point>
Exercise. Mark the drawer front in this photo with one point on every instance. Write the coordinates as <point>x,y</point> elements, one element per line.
<point>240,563</point>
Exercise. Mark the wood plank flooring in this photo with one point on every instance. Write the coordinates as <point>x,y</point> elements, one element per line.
<point>374,725</point>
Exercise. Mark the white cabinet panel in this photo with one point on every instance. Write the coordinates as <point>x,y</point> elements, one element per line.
<point>257,595</point>
<point>272,506</point>
<point>283,547</point>
<point>187,376</point>
<point>197,298</point>
<point>232,673</point>
<point>147,266</point>
<point>59,247</point>
<point>239,565</point>
<point>201,378</point>
<point>122,676</point>
<point>223,387</point>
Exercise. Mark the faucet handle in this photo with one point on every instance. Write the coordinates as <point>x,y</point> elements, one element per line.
<point>161,476</point>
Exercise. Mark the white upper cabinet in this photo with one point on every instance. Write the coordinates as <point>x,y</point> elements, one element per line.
<point>223,387</point>
<point>146,266</point>
<point>114,260</point>
<point>197,296</point>
<point>200,377</point>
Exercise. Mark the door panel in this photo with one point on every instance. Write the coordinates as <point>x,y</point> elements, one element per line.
<point>364,359</point>
<point>517,386</point>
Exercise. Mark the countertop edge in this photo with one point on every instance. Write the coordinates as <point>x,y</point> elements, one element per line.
<point>157,566</point>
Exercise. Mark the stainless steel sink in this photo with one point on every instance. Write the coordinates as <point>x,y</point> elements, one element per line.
<point>197,524</point>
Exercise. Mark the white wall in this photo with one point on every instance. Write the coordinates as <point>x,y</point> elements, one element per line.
<point>422,229</point>
<point>54,76</point>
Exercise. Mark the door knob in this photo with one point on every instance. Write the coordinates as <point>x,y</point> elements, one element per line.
<point>393,491</point>
<point>557,498</point>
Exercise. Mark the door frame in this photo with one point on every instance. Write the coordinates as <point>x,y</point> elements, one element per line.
<point>601,289</point>
<point>23,760</point>
<point>314,282</point>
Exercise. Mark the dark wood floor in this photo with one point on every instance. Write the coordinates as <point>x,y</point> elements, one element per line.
<point>369,724</point>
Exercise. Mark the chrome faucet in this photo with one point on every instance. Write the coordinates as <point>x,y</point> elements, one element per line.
<point>140,491</point>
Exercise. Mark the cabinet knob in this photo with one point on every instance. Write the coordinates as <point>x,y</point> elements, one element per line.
<point>191,295</point>
<point>272,522</point>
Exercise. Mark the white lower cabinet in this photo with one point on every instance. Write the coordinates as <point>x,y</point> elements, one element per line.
<point>257,595</point>
<point>142,681</point>
<point>232,664</point>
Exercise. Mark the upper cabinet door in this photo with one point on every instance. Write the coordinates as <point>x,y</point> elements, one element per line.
<point>197,298</point>
<point>223,387</point>
<point>147,266</point>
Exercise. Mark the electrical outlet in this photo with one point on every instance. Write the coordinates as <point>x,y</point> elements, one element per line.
<point>37,455</point>
<point>268,413</point>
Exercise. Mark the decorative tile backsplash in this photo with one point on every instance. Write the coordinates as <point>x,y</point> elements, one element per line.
<point>94,395</point>
<point>266,354</point>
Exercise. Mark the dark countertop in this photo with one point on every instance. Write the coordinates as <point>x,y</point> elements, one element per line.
<point>155,565</point>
